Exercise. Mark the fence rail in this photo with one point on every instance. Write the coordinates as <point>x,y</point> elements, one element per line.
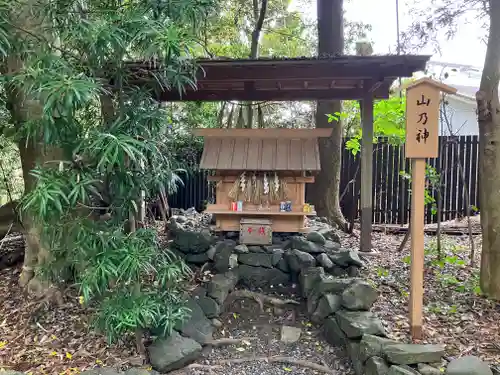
<point>457,164</point>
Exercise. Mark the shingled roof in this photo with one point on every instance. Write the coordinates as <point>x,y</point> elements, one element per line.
<point>261,149</point>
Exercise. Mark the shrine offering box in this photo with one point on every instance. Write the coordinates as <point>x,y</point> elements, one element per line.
<point>256,231</point>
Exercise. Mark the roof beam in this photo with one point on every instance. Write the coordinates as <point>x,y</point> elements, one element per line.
<point>271,95</point>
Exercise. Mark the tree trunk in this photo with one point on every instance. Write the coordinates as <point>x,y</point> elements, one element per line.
<point>327,185</point>
<point>489,157</point>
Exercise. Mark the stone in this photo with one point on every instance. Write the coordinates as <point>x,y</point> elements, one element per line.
<point>398,370</point>
<point>95,371</point>
<point>299,260</point>
<point>376,366</point>
<point>10,372</point>
<point>256,260</point>
<point>201,258</point>
<point>210,307</point>
<point>190,242</point>
<point>241,249</point>
<point>356,363</point>
<point>324,261</point>
<point>309,278</point>
<point>345,258</point>
<point>256,249</point>
<point>333,334</point>
<point>196,326</point>
<point>371,346</point>
<point>409,354</point>
<point>223,251</point>
<point>357,323</point>
<point>352,271</point>
<point>283,265</point>
<point>276,256</point>
<point>336,285</point>
<point>425,369</point>
<point>211,253</point>
<point>261,277</point>
<point>173,352</point>
<point>331,246</point>
<point>216,323</point>
<point>469,365</point>
<point>233,261</point>
<point>140,371</point>
<point>316,237</point>
<point>221,284</point>
<point>338,271</point>
<point>330,234</point>
<point>360,295</point>
<point>327,305</point>
<point>199,292</point>
<point>290,335</point>
<point>411,370</point>
<point>300,243</point>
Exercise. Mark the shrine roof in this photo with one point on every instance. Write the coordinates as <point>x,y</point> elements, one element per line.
<point>288,79</point>
<point>261,149</point>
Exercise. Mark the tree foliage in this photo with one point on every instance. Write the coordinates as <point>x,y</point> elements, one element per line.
<point>72,60</point>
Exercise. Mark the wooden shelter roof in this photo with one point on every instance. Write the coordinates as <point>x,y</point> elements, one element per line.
<point>261,149</point>
<point>317,78</point>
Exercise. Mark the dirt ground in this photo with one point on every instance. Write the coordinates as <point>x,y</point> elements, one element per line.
<point>38,339</point>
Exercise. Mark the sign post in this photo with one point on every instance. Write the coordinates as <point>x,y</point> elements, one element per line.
<point>422,139</point>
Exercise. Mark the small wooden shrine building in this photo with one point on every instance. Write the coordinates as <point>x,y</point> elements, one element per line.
<point>262,170</point>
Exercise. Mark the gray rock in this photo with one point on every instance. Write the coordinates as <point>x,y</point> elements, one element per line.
<point>398,370</point>
<point>197,326</point>
<point>333,334</point>
<point>356,363</point>
<point>316,237</point>
<point>96,371</point>
<point>139,371</point>
<point>408,354</point>
<point>331,246</point>
<point>324,261</point>
<point>200,258</point>
<point>190,242</point>
<point>199,292</point>
<point>345,258</point>
<point>357,323</point>
<point>233,261</point>
<point>241,249</point>
<point>256,260</point>
<point>173,352</point>
<point>469,365</point>
<point>221,284</point>
<point>290,335</point>
<point>359,296</point>
<point>411,370</point>
<point>211,253</point>
<point>330,234</point>
<point>223,251</point>
<point>425,369</point>
<point>329,284</point>
<point>376,366</point>
<point>308,279</point>
<point>300,243</point>
<point>10,372</point>
<point>352,271</point>
<point>283,265</point>
<point>276,256</point>
<point>299,260</point>
<point>338,271</point>
<point>261,277</point>
<point>327,305</point>
<point>256,249</point>
<point>217,323</point>
<point>210,307</point>
<point>371,346</point>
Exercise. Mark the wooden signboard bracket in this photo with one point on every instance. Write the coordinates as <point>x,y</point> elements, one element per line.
<point>422,138</point>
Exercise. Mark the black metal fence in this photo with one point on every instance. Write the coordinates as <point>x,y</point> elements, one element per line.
<point>391,188</point>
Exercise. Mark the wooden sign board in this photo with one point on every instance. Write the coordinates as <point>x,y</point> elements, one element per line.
<point>422,127</point>
<point>422,121</point>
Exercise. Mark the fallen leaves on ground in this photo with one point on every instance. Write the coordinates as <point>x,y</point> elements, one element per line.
<point>455,314</point>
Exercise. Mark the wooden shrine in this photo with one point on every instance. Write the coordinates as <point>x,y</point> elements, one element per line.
<point>261,169</point>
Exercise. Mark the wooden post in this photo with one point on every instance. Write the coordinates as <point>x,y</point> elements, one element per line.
<point>422,137</point>
<point>366,172</point>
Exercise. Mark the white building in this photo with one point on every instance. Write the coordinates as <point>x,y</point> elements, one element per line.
<point>461,107</point>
